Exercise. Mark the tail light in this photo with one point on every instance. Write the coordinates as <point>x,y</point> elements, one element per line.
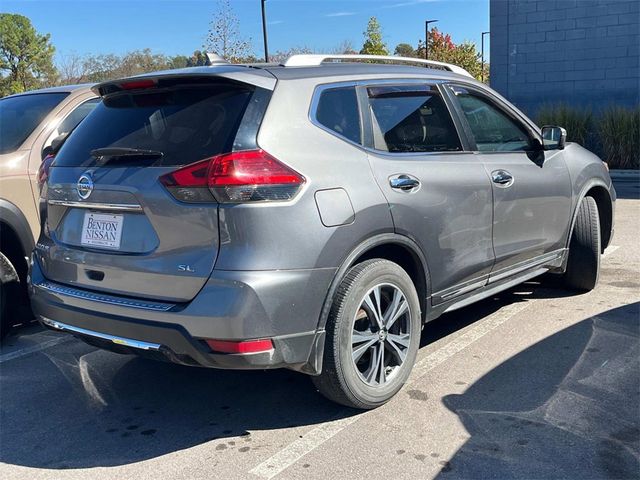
<point>242,346</point>
<point>246,176</point>
<point>43,172</point>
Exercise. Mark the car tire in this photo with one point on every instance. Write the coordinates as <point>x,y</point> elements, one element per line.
<point>9,294</point>
<point>366,370</point>
<point>583,265</point>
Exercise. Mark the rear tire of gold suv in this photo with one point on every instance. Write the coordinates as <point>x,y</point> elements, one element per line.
<point>9,295</point>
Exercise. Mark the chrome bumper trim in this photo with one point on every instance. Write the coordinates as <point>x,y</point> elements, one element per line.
<point>102,298</point>
<point>127,342</point>
<point>119,207</point>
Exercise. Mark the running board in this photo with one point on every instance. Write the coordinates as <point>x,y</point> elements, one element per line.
<point>493,289</point>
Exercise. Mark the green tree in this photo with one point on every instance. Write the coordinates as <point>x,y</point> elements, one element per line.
<point>404,50</point>
<point>142,61</point>
<point>26,57</point>
<point>373,43</point>
<point>198,59</point>
<point>99,68</point>
<point>178,61</point>
<point>223,37</point>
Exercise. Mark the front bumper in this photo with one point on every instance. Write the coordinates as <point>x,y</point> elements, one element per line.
<point>282,306</point>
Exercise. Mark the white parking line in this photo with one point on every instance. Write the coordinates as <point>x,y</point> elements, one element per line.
<point>609,250</point>
<point>299,448</point>
<point>34,348</point>
<point>316,437</point>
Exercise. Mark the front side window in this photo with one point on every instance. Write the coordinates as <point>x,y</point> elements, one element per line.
<point>411,118</point>
<point>492,129</point>
<point>338,111</point>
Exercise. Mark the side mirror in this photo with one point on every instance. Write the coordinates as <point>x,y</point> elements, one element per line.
<point>553,138</point>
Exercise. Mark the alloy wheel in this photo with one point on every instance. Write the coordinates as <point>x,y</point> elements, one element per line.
<point>381,334</point>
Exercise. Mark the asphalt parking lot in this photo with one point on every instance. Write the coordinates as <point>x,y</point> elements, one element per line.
<point>534,383</point>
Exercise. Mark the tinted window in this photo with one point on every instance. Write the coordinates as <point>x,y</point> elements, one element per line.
<point>338,111</point>
<point>411,119</point>
<point>19,116</point>
<point>492,129</point>
<point>72,120</point>
<point>185,124</point>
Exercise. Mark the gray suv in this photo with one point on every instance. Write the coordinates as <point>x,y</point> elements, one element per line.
<point>313,215</point>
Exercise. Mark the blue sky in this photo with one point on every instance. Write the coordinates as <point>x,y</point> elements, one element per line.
<point>180,26</point>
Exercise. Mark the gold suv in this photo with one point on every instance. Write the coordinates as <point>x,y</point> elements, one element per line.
<point>32,126</point>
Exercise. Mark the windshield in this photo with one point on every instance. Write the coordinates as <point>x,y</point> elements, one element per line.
<point>19,116</point>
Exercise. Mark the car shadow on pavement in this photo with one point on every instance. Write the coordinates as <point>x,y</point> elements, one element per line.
<point>73,406</point>
<point>566,407</point>
<point>89,408</point>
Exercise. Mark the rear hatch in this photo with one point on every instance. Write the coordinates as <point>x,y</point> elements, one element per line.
<point>112,224</point>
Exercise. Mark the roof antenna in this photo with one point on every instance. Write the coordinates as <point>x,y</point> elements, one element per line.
<point>215,59</point>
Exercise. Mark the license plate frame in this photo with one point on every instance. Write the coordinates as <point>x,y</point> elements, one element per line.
<point>102,230</point>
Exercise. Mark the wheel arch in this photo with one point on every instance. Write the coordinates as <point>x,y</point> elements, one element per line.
<point>16,240</point>
<point>390,246</point>
<point>599,191</point>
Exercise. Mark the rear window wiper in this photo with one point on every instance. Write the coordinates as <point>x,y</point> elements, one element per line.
<point>123,152</point>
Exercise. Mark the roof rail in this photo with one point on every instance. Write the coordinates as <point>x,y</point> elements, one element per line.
<point>318,59</point>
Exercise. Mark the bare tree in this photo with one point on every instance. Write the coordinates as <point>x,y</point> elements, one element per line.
<point>281,55</point>
<point>344,47</point>
<point>224,37</point>
<point>72,69</point>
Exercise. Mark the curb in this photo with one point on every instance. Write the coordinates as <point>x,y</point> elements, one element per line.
<point>625,174</point>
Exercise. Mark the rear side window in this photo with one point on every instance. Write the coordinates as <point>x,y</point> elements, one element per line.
<point>411,118</point>
<point>71,121</point>
<point>493,130</point>
<point>184,124</point>
<point>19,116</point>
<point>338,111</point>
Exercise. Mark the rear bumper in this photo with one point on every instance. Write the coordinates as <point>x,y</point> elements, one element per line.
<point>283,306</point>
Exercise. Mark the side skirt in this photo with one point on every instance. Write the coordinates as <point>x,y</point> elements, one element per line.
<point>503,280</point>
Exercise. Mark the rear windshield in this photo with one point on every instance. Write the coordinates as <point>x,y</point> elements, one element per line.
<point>19,116</point>
<point>184,125</point>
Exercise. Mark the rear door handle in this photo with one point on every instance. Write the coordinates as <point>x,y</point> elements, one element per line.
<point>404,182</point>
<point>502,178</point>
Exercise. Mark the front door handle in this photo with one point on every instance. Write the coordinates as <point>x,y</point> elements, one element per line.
<point>502,178</point>
<point>404,182</point>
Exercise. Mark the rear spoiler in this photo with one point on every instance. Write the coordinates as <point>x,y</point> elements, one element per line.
<point>194,76</point>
